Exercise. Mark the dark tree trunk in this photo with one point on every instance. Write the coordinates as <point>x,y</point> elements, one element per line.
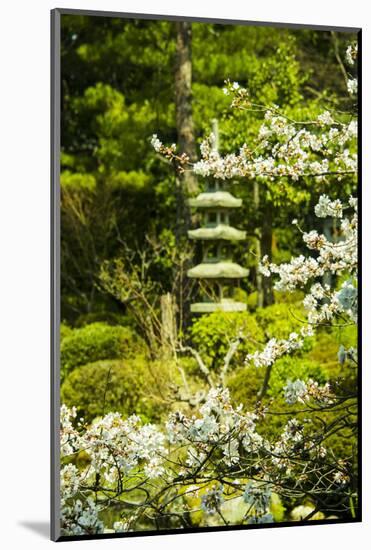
<point>183,100</point>
<point>186,183</point>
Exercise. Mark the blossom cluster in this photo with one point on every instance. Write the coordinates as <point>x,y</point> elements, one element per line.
<point>159,147</point>
<point>69,436</point>
<point>275,349</point>
<point>258,495</point>
<point>293,445</point>
<point>299,391</point>
<point>351,53</point>
<point>287,148</point>
<point>70,480</point>
<point>211,445</point>
<point>212,499</point>
<point>156,143</point>
<point>347,354</point>
<point>351,57</point>
<point>325,207</point>
<point>169,152</point>
<point>217,438</point>
<point>116,446</point>
<point>218,425</point>
<point>295,392</point>
<point>80,518</point>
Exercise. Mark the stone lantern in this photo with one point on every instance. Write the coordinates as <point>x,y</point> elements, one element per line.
<point>217,273</point>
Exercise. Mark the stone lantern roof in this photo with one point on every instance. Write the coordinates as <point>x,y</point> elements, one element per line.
<point>217,270</point>
<point>223,305</point>
<point>220,199</point>
<point>219,232</point>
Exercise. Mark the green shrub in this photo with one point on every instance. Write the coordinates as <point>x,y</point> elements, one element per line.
<point>327,342</point>
<point>64,331</point>
<point>294,297</point>
<point>278,320</point>
<point>244,384</point>
<point>96,342</point>
<point>107,317</point>
<point>291,368</point>
<point>252,300</point>
<point>212,334</point>
<point>129,386</point>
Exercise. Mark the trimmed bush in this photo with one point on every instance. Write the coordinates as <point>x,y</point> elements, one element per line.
<point>96,342</point>
<point>65,330</point>
<point>106,317</point>
<point>291,368</point>
<point>212,334</point>
<point>244,384</point>
<point>129,386</point>
<point>278,320</point>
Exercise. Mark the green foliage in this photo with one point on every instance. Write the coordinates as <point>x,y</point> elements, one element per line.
<point>244,384</point>
<point>96,342</point>
<point>107,317</point>
<point>278,320</point>
<point>291,368</point>
<point>212,335</point>
<point>78,182</point>
<point>264,59</point>
<point>277,508</point>
<point>327,346</point>
<point>134,181</point>
<point>129,386</point>
<point>65,331</point>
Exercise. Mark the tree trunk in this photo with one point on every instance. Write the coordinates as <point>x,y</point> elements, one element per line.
<point>183,100</point>
<point>168,325</point>
<point>186,183</point>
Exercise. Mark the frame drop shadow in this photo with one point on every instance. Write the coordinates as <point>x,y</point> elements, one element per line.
<point>42,528</point>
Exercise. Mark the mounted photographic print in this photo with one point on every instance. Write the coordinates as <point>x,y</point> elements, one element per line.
<point>204,275</point>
